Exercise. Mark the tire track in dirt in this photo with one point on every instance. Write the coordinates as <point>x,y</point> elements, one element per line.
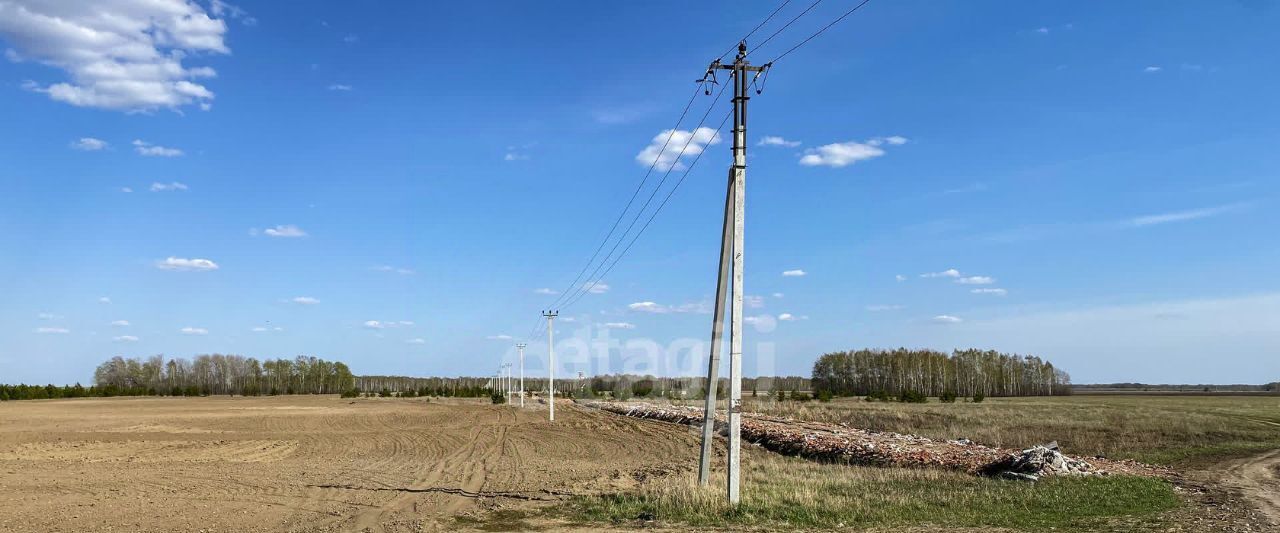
<point>1258,478</point>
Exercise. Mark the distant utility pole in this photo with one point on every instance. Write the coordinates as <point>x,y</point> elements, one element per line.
<point>520,347</point>
<point>731,248</point>
<point>551,369</point>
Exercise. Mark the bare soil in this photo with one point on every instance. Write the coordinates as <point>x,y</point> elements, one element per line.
<point>308,463</point>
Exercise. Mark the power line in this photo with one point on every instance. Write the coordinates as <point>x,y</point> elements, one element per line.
<point>657,210</point>
<point>631,201</point>
<point>787,25</point>
<point>819,32</point>
<point>753,30</point>
<point>693,134</point>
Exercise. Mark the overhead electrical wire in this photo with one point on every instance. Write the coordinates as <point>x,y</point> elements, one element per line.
<point>753,30</point>
<point>787,25</point>
<point>819,32</point>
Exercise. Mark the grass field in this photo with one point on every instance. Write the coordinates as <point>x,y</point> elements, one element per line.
<point>779,492</point>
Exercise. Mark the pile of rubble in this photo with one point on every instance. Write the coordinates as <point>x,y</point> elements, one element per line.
<point>838,443</point>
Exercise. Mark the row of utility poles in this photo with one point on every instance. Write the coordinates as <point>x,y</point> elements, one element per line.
<point>729,282</point>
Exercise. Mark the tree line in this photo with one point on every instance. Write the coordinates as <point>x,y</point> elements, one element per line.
<point>606,385</point>
<point>932,373</point>
<point>199,376</point>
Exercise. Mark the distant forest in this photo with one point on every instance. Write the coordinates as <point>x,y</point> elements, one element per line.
<point>200,376</point>
<point>932,373</point>
<point>610,385</point>
<point>1151,387</point>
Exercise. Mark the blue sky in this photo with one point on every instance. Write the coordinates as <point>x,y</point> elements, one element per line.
<point>393,185</point>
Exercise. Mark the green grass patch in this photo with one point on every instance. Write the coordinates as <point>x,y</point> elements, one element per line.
<point>784,492</point>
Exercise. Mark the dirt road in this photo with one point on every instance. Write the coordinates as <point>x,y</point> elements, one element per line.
<point>1258,478</point>
<point>306,463</point>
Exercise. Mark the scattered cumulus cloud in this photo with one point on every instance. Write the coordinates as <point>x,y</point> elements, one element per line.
<point>126,189</point>
<point>124,338</point>
<point>503,337</point>
<point>89,144</point>
<point>104,300</point>
<point>796,273</point>
<point>340,87</point>
<point>976,280</point>
<point>119,323</point>
<point>754,302</point>
<point>899,277</point>
<point>121,55</point>
<point>183,264</point>
<point>778,295</point>
<point>1042,30</point>
<point>193,331</point>
<point>150,150</point>
<point>773,140</point>
<point>222,9</point>
<point>288,230</point>
<point>990,290</point>
<point>305,300</point>
<point>948,273</point>
<point>48,316</point>
<point>1152,69</point>
<point>374,324</point>
<point>163,187</point>
<point>788,317</point>
<point>546,291</point>
<point>597,287</point>
<point>947,319</point>
<point>838,155</point>
<point>619,325</point>
<point>52,331</point>
<point>691,142</point>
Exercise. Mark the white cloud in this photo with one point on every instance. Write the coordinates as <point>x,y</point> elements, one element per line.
<point>416,341</point>
<point>772,140</point>
<point>161,187</point>
<point>1042,30</point>
<point>499,337</point>
<point>405,323</point>
<point>843,154</point>
<point>181,264</point>
<point>514,156</point>
<point>104,300</point>
<point>788,317</point>
<point>151,150</point>
<point>1152,69</point>
<point>374,324</point>
<point>126,189</point>
<point>976,280</point>
<point>1181,216</point>
<point>900,277</point>
<point>651,307</point>
<point>546,291</point>
<point>89,144</point>
<point>193,331</point>
<point>778,295</point>
<point>288,230</point>
<point>754,302</point>
<point>260,329</point>
<point>339,87</point>
<point>52,331</point>
<point>597,287</point>
<point>998,292</point>
<point>948,273</point>
<point>48,316</point>
<point>878,308</point>
<point>124,338</point>
<point>305,300</point>
<point>119,323</point>
<point>794,273</point>
<point>692,144</point>
<point>397,270</point>
<point>117,54</point>
<point>947,319</point>
<point>619,325</point>
<point>219,8</point>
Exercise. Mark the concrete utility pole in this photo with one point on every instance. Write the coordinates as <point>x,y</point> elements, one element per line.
<point>731,248</point>
<point>551,368</point>
<point>520,347</point>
